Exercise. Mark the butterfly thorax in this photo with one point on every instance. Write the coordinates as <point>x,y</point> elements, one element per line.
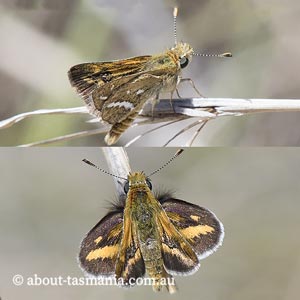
<point>143,217</point>
<point>175,56</point>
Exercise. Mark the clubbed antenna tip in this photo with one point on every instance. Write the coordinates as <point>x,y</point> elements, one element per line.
<point>93,165</point>
<point>226,54</point>
<point>178,152</point>
<point>175,12</point>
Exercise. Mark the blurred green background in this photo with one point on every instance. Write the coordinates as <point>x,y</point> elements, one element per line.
<point>41,40</point>
<point>50,200</point>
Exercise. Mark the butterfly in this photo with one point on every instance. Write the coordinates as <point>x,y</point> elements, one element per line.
<point>144,234</point>
<point>116,91</point>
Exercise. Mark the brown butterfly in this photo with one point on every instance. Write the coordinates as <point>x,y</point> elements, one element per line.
<point>116,91</point>
<point>143,234</point>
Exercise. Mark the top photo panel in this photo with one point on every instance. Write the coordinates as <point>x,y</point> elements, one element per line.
<point>149,73</point>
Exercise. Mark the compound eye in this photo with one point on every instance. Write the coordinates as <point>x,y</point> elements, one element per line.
<point>126,187</point>
<point>149,184</point>
<point>183,62</point>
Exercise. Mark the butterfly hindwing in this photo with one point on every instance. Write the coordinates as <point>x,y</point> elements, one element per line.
<point>199,226</point>
<point>125,101</point>
<point>99,249</point>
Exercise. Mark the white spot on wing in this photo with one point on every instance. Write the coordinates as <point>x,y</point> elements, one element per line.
<point>103,97</point>
<point>140,91</point>
<point>125,104</point>
<point>128,92</point>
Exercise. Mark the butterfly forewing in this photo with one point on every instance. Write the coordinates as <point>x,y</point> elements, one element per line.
<point>178,255</point>
<point>134,266</point>
<point>130,264</point>
<point>87,77</point>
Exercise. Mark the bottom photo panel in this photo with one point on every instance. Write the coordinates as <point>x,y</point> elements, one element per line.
<point>132,223</point>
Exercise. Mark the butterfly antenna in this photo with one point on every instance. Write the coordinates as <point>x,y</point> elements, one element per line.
<point>178,152</point>
<point>175,12</point>
<point>93,165</point>
<point>226,54</point>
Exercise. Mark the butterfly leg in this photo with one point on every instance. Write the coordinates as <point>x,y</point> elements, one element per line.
<point>118,128</point>
<point>171,99</point>
<point>154,102</point>
<point>192,84</point>
<point>178,95</point>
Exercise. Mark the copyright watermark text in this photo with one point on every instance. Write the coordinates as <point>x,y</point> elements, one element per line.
<point>36,280</point>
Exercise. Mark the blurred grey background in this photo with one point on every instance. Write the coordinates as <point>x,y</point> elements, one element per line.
<point>50,200</point>
<point>41,40</point>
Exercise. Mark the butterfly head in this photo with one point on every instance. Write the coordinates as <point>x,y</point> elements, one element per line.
<point>184,52</point>
<point>137,180</point>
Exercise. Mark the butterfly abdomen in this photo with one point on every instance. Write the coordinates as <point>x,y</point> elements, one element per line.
<point>145,224</point>
<point>118,128</point>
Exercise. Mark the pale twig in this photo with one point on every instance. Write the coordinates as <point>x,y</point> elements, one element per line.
<point>195,107</point>
<point>118,164</point>
<point>17,118</point>
<point>202,108</point>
